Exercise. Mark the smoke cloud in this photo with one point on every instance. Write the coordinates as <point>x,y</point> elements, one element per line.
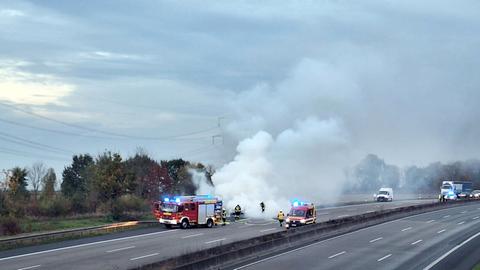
<point>298,137</point>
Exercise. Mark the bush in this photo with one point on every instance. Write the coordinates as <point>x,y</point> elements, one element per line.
<point>59,206</point>
<point>9,226</point>
<point>125,207</point>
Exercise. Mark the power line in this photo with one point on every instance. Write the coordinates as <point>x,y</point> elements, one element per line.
<point>125,136</point>
<point>27,154</point>
<point>54,130</point>
<point>32,144</point>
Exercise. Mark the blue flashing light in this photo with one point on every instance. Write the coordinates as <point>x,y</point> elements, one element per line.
<point>166,200</point>
<point>177,200</point>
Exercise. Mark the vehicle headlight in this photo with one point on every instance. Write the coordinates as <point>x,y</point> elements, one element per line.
<point>287,220</point>
<point>303,221</point>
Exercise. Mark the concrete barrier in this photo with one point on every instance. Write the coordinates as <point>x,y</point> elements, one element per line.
<point>41,238</point>
<point>231,254</point>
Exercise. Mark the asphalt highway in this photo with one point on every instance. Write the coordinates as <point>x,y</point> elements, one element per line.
<point>443,239</point>
<point>134,248</point>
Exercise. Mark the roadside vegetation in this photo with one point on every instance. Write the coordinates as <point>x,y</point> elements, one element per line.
<point>93,191</point>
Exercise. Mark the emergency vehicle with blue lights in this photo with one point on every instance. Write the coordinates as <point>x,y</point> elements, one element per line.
<point>301,214</point>
<point>186,211</point>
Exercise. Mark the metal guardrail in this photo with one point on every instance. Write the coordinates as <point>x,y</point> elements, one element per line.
<point>38,238</point>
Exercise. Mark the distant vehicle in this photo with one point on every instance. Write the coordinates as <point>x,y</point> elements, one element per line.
<point>476,194</point>
<point>301,214</point>
<point>464,195</point>
<point>384,195</point>
<point>185,211</point>
<point>453,190</point>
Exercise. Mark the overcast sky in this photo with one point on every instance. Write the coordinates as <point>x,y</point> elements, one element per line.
<point>85,76</point>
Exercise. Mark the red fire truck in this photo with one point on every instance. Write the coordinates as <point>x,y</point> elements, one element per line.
<point>185,211</point>
<point>301,214</point>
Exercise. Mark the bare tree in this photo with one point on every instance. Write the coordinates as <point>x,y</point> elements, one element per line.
<point>35,175</point>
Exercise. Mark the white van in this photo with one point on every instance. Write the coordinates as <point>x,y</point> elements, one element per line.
<point>384,195</point>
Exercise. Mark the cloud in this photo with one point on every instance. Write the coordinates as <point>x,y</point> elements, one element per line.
<point>11,13</point>
<point>105,55</point>
<point>23,87</point>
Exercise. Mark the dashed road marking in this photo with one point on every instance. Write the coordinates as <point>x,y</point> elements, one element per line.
<point>447,216</point>
<point>475,218</point>
<point>214,241</point>
<point>342,216</point>
<point>192,235</point>
<point>267,230</point>
<point>463,212</point>
<point>431,220</point>
<point>460,223</point>
<point>441,231</point>
<point>416,242</point>
<point>145,256</point>
<point>29,267</point>
<point>336,255</point>
<point>376,239</point>
<point>120,249</point>
<point>406,229</point>
<point>384,257</point>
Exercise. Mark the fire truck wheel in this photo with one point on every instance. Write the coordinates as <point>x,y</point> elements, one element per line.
<point>184,224</point>
<point>209,223</point>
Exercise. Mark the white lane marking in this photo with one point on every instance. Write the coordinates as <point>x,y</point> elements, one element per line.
<point>384,257</point>
<point>30,267</point>
<point>120,249</point>
<point>475,218</point>
<point>463,212</point>
<point>441,231</point>
<point>376,239</point>
<point>214,241</point>
<point>145,256</point>
<point>369,211</point>
<point>428,267</point>
<point>431,220</point>
<point>338,254</point>
<point>342,216</point>
<point>416,242</point>
<point>192,235</point>
<point>447,216</point>
<point>266,230</point>
<point>460,223</point>
<point>84,245</point>
<point>406,229</point>
<point>319,214</point>
<point>336,237</point>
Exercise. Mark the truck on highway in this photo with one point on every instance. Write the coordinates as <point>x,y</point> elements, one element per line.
<point>186,211</point>
<point>384,195</point>
<point>301,214</point>
<point>450,190</point>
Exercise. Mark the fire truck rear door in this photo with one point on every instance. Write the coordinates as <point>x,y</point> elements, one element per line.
<point>202,213</point>
<point>210,210</point>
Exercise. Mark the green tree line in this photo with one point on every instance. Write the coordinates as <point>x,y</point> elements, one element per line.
<point>107,184</point>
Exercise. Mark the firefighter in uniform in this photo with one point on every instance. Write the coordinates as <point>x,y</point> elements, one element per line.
<point>262,205</point>
<point>238,211</point>
<point>280,217</point>
<point>224,217</point>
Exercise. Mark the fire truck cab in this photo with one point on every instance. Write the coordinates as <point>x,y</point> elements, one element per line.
<point>301,214</point>
<point>186,211</point>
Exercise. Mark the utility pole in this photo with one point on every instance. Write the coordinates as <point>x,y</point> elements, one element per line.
<point>219,124</point>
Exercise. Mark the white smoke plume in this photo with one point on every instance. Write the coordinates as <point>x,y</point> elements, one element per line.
<point>200,181</point>
<point>298,137</point>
